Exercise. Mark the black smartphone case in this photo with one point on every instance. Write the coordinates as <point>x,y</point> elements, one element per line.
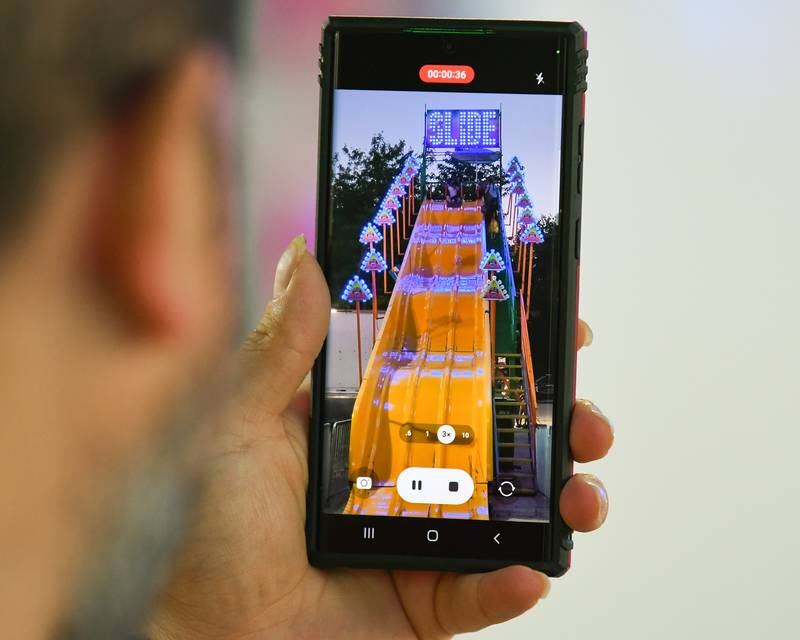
<point>556,560</point>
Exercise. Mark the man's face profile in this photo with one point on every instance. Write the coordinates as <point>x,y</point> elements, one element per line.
<point>116,269</point>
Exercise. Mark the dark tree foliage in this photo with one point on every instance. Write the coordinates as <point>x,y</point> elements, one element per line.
<point>544,291</point>
<point>361,179</point>
<point>450,169</point>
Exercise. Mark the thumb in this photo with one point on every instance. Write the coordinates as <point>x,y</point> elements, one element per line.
<point>465,603</point>
<point>280,351</point>
<point>440,606</point>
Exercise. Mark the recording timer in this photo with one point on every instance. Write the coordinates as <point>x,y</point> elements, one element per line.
<point>450,73</point>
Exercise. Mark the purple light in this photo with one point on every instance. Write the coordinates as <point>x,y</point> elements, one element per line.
<point>532,234</point>
<point>356,290</point>
<point>492,261</point>
<point>384,217</point>
<point>370,234</point>
<point>373,261</point>
<point>391,202</point>
<point>514,165</point>
<point>462,128</point>
<point>495,290</point>
<point>526,217</point>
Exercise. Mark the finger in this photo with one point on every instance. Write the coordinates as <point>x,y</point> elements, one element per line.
<point>584,335</point>
<point>467,603</point>
<point>584,503</point>
<point>278,354</point>
<point>591,434</point>
<point>301,402</point>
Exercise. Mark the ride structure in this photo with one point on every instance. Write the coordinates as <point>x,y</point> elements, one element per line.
<point>445,354</point>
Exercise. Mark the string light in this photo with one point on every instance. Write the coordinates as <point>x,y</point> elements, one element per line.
<point>525,201</point>
<point>384,217</point>
<point>532,234</point>
<point>370,234</point>
<point>526,217</point>
<point>373,261</point>
<point>356,290</point>
<point>391,202</point>
<point>494,290</point>
<point>492,261</point>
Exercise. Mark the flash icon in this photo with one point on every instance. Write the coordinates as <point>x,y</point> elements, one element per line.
<point>539,78</point>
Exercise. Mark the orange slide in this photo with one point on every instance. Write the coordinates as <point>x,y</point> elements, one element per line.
<point>431,366</point>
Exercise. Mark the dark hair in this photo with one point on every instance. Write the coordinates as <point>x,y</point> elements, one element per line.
<point>66,63</point>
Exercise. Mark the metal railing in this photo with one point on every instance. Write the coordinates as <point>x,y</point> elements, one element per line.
<point>528,381</point>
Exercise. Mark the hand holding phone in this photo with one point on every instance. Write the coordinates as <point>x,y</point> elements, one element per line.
<point>246,571</point>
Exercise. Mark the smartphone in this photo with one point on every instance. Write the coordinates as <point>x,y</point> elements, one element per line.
<point>449,210</point>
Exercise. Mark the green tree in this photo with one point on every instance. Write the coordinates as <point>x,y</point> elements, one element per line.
<point>451,169</point>
<point>361,178</point>
<point>544,295</point>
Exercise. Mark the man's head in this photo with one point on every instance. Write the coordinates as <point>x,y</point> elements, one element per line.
<point>115,289</point>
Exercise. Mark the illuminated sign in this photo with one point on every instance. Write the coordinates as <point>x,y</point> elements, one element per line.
<point>462,128</point>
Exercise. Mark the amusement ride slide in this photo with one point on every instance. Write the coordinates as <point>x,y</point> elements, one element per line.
<point>430,367</point>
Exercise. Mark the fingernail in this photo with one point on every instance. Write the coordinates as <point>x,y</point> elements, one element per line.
<point>588,337</point>
<point>287,264</point>
<point>591,406</point>
<point>602,494</point>
<point>546,587</point>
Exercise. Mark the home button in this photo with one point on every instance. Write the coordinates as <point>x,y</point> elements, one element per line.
<point>433,535</point>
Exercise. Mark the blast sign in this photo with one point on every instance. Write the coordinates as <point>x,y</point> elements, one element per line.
<point>462,128</point>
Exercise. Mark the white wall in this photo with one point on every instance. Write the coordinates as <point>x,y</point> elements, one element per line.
<point>691,225</point>
<point>341,367</point>
<point>690,281</point>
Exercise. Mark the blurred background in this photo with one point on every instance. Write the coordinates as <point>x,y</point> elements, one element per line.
<point>689,279</point>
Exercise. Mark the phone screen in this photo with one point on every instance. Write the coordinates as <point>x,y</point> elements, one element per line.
<point>442,259</point>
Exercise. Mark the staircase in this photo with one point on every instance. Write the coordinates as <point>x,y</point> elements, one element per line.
<point>514,433</point>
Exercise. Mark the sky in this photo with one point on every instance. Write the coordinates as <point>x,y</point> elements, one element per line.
<point>531,128</point>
